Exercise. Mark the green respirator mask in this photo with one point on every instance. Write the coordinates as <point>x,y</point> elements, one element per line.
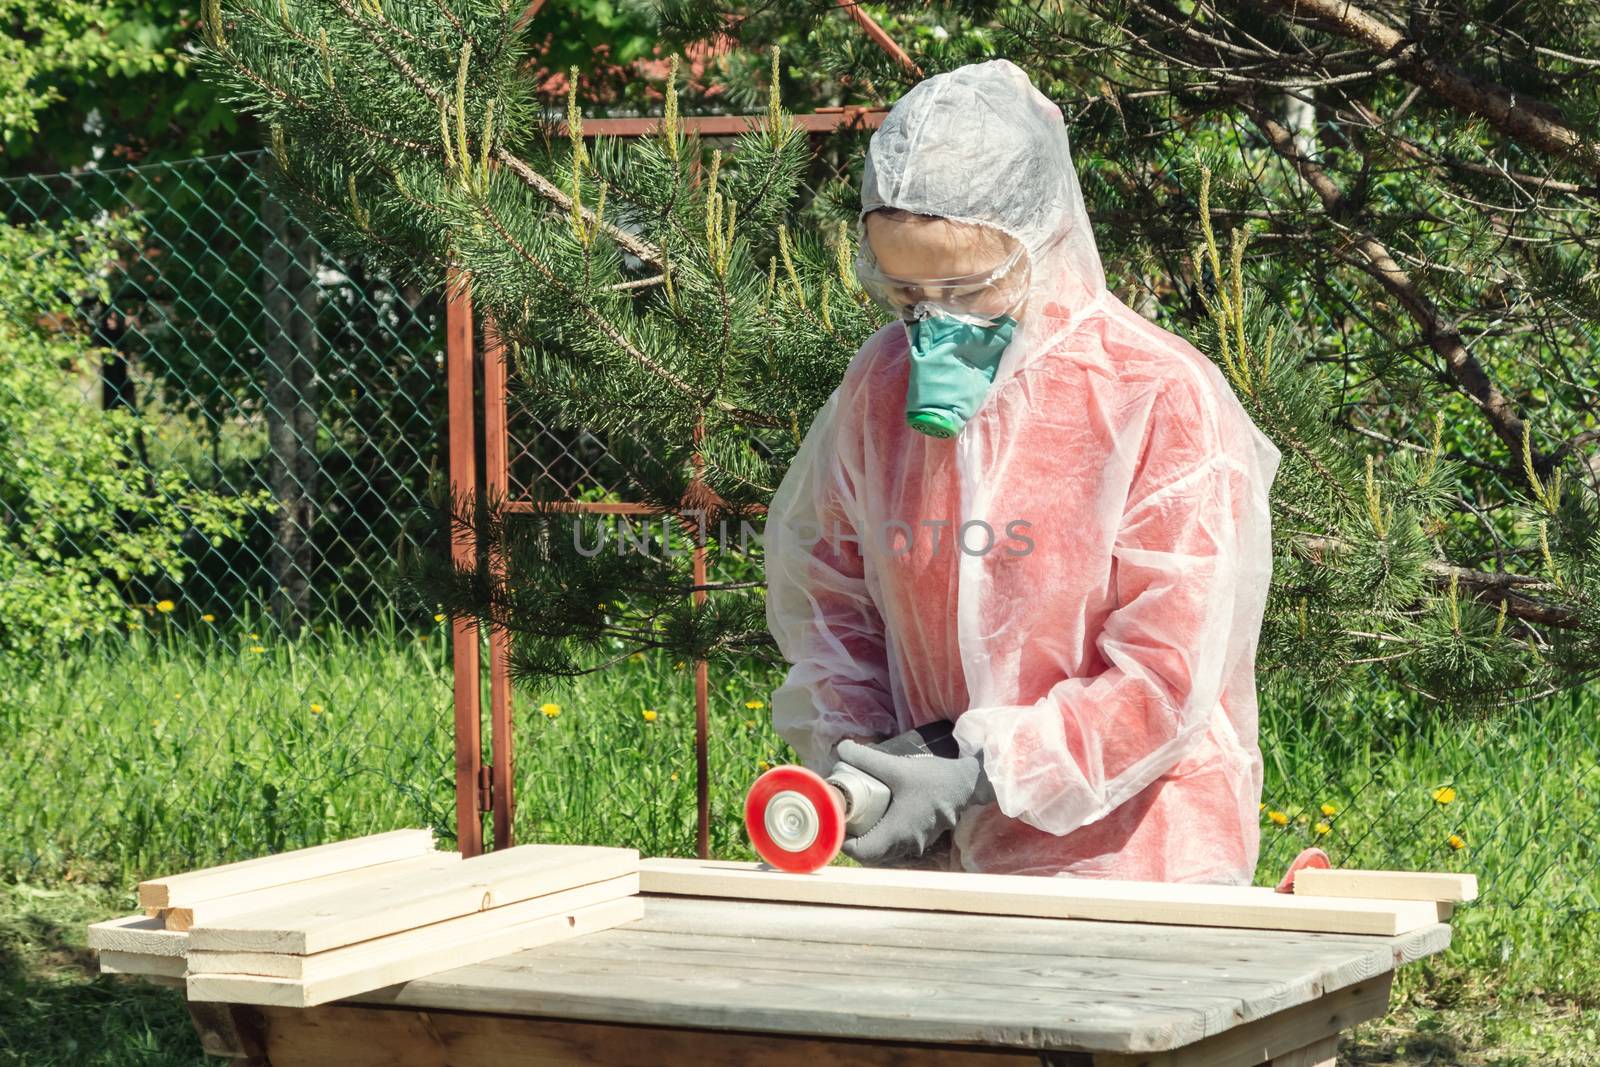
<point>953,363</point>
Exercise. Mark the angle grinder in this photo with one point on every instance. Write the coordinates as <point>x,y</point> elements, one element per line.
<point>797,819</point>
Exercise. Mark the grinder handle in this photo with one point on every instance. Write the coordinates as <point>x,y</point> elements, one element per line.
<point>865,798</point>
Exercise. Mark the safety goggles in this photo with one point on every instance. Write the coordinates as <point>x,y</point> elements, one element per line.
<point>986,295</point>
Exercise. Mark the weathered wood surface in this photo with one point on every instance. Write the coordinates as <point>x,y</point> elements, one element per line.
<point>918,976</point>
<point>355,1036</point>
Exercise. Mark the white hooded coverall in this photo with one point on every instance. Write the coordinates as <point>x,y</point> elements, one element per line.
<point>1077,579</point>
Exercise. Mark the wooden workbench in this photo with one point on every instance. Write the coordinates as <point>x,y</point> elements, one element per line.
<point>727,983</point>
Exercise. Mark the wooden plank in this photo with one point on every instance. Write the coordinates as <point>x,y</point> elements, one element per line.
<point>182,890</point>
<point>137,934</point>
<point>1060,898</point>
<point>619,976</point>
<point>1386,885</point>
<point>1248,951</point>
<point>347,916</point>
<point>409,943</point>
<point>448,953</point>
<point>354,1036</point>
<point>211,912</point>
<point>230,1031</point>
<point>1324,1053</point>
<point>114,962</point>
<point>1281,1035</point>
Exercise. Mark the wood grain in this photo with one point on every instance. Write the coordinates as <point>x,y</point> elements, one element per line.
<point>1061,898</point>
<point>1281,1038</point>
<point>918,976</point>
<point>137,934</point>
<point>344,917</point>
<point>353,1036</point>
<point>1389,885</point>
<point>212,912</point>
<point>182,890</point>
<point>408,944</point>
<point>442,955</point>
<point>114,962</point>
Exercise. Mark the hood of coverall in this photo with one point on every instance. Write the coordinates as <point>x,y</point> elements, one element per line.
<point>981,145</point>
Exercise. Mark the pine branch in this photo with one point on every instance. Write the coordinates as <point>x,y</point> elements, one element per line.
<point>1376,261</point>
<point>1529,121</point>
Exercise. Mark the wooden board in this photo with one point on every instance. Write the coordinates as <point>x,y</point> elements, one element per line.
<point>442,955</point>
<point>347,916</point>
<point>1442,886</point>
<point>1040,897</point>
<point>114,962</point>
<point>352,1036</point>
<point>917,976</point>
<point>182,890</point>
<point>212,912</point>
<point>1288,1039</point>
<point>409,943</point>
<point>137,934</point>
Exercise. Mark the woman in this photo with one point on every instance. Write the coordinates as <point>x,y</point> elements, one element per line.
<point>1028,512</point>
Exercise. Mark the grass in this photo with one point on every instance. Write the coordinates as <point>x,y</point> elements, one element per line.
<point>163,752</point>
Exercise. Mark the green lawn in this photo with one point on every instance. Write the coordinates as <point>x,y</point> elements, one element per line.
<point>162,753</point>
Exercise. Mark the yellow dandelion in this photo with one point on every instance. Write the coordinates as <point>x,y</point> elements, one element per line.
<point>678,666</point>
<point>1263,806</point>
<point>165,606</point>
<point>316,709</point>
<point>649,715</point>
<point>1278,818</point>
<point>754,705</point>
<point>1322,828</point>
<point>674,776</point>
<point>257,648</point>
<point>254,636</point>
<point>438,618</point>
<point>763,765</point>
<point>208,617</point>
<point>550,711</point>
<point>1444,794</point>
<point>1455,842</point>
<point>1329,810</point>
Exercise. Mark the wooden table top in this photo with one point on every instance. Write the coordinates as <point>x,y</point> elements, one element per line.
<point>867,973</point>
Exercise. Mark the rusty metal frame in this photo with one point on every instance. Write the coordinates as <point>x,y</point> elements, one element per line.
<point>486,789</point>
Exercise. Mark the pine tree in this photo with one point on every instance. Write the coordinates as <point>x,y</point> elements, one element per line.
<point>1435,513</point>
<point>651,292</point>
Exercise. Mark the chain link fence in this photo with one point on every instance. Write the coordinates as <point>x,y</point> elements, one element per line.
<point>272,693</point>
<point>275,695</point>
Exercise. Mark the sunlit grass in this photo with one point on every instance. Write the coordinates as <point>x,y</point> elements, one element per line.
<point>169,750</point>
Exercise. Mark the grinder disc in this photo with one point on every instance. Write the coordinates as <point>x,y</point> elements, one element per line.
<point>795,819</point>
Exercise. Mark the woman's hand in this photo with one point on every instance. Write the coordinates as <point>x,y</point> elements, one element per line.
<point>927,794</point>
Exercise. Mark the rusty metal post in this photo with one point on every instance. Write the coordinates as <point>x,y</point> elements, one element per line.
<point>497,479</point>
<point>702,728</point>
<point>464,552</point>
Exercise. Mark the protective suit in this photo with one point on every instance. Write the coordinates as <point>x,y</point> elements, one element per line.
<point>1076,579</point>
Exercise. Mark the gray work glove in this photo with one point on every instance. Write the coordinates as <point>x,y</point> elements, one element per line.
<point>927,794</point>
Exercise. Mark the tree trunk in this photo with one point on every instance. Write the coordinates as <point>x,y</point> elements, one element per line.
<point>290,300</point>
